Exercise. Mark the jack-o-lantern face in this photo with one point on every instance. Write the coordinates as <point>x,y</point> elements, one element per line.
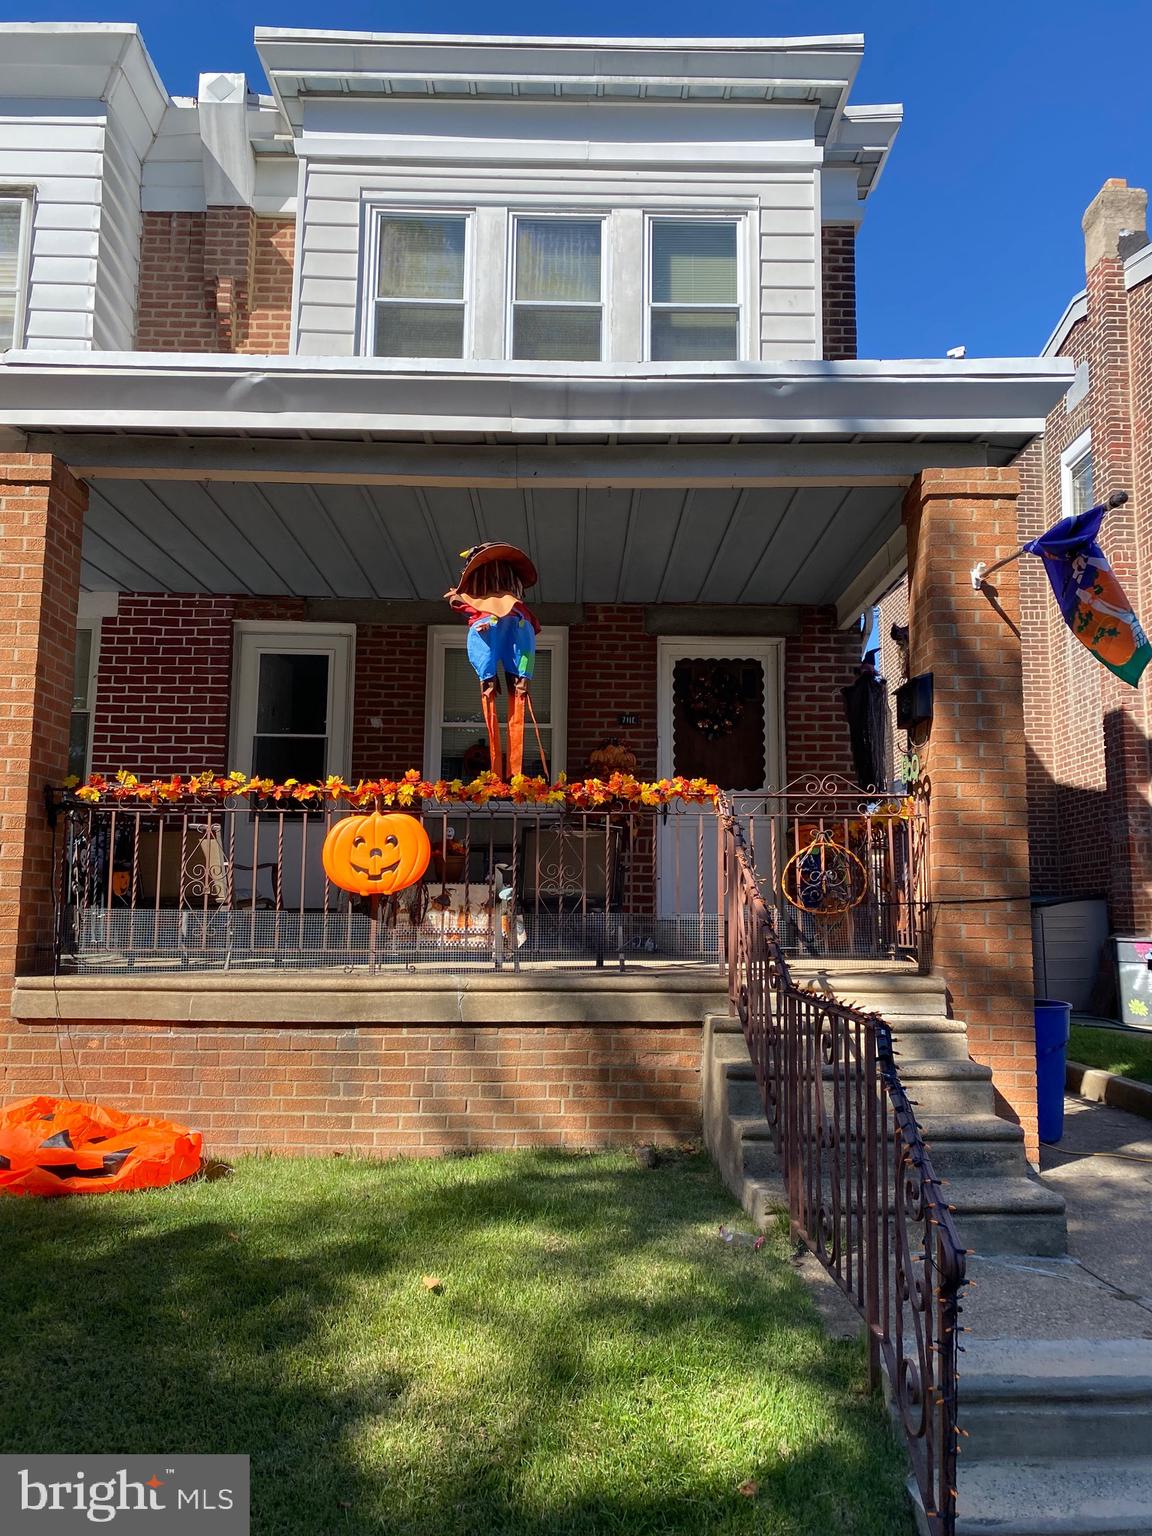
<point>376,855</point>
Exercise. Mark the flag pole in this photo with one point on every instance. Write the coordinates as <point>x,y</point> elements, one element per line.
<point>981,572</point>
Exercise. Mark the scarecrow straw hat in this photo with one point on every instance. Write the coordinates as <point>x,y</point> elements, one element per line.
<point>485,554</point>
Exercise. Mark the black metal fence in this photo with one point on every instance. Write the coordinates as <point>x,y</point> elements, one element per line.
<point>861,1190</point>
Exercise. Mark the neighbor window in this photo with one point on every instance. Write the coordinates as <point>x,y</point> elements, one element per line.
<point>419,289</point>
<point>557,310</point>
<point>694,290</point>
<point>13,218</point>
<point>457,742</point>
<point>1077,489</point>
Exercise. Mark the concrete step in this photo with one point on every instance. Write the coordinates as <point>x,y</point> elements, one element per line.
<point>1032,1399</point>
<point>1008,1215</point>
<point>1107,1497</point>
<point>934,1087</point>
<point>961,1146</point>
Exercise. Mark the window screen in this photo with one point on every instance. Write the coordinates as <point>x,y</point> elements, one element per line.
<point>695,303</point>
<point>557,308</point>
<point>420,287</point>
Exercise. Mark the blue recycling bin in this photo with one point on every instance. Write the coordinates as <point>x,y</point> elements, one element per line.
<point>1053,1021</point>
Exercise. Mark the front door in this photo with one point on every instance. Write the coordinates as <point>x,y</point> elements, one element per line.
<point>720,708</point>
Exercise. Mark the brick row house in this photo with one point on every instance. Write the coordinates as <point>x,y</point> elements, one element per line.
<point>272,361</point>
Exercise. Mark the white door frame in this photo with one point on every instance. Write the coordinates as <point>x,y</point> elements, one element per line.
<point>674,648</point>
<point>336,641</point>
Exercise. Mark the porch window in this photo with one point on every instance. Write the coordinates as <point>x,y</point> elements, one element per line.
<point>14,219</point>
<point>291,701</point>
<point>419,308</point>
<point>557,310</point>
<point>694,287</point>
<point>456,745</point>
<point>83,690</point>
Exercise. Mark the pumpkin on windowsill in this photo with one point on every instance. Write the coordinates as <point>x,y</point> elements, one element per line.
<point>610,757</point>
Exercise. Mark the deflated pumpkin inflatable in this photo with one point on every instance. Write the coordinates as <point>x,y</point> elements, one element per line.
<point>66,1147</point>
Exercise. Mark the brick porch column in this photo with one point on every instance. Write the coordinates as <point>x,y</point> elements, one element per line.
<point>41,527</point>
<point>974,756</point>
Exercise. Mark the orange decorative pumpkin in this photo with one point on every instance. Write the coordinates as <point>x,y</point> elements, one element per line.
<point>376,854</point>
<point>612,756</point>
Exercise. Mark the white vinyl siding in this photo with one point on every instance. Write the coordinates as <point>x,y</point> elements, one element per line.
<point>776,212</point>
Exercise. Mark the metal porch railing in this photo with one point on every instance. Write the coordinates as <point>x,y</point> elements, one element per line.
<point>235,884</point>
<point>861,1190</point>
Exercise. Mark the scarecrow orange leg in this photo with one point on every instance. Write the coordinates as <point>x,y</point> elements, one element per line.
<point>517,697</point>
<point>492,722</point>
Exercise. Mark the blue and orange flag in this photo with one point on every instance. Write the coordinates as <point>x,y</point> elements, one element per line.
<point>1090,598</point>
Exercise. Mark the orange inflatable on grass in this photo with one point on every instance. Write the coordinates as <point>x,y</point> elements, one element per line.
<point>66,1147</point>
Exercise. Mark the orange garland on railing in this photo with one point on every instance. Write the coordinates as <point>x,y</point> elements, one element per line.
<point>618,790</point>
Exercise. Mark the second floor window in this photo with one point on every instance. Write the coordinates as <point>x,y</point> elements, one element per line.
<point>419,302</point>
<point>694,290</point>
<point>13,212</point>
<point>557,310</point>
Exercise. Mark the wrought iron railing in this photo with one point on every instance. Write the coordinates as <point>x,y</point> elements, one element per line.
<point>843,869</point>
<point>237,884</point>
<point>233,885</point>
<point>861,1190</point>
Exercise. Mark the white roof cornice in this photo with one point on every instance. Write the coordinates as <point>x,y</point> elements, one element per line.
<point>107,391</point>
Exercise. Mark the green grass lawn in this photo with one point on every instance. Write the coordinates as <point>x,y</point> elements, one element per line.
<point>1112,1051</point>
<point>596,1360</point>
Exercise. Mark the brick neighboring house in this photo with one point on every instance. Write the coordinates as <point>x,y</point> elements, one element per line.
<point>225,459</point>
<point>1086,733</point>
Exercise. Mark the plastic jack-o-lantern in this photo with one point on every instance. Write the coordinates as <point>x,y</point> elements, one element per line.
<point>377,854</point>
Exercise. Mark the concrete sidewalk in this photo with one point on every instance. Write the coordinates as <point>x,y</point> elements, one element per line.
<point>1103,1288</point>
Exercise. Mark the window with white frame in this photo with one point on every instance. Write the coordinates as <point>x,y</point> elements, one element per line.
<point>14,220</point>
<point>83,701</point>
<point>1077,489</point>
<point>456,742</point>
<point>292,691</point>
<point>419,305</point>
<point>694,310</point>
<point>557,288</point>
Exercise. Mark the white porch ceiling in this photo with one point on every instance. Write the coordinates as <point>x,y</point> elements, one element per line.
<point>784,545</point>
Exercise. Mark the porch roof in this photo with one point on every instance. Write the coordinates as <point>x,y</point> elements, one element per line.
<point>765,484</point>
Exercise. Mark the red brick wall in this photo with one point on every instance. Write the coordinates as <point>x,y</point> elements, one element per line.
<point>219,281</point>
<point>611,672</point>
<point>391,674</point>
<point>392,1090</point>
<point>818,662</point>
<point>163,691</point>
<point>1088,734</point>
<point>270,315</point>
<point>838,269</point>
<point>974,755</point>
<point>164,687</point>
<point>41,527</point>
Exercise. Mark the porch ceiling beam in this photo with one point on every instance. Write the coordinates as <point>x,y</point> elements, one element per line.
<point>95,456</point>
<point>869,585</point>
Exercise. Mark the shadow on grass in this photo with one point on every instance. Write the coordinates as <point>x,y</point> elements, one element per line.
<point>595,1362</point>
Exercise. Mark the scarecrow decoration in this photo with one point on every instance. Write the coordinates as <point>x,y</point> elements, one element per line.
<point>502,631</point>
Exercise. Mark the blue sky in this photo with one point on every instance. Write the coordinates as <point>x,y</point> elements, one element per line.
<point>974,234</point>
